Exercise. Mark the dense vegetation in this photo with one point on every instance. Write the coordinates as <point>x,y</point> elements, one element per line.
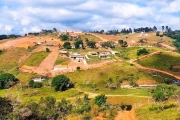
<point>7,80</point>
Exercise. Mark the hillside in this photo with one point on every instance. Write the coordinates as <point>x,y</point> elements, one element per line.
<point>115,75</point>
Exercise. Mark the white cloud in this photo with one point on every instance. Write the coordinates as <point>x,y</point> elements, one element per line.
<point>174,6</point>
<point>22,16</point>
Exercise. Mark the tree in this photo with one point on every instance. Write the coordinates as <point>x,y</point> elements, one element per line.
<point>63,108</point>
<point>100,100</point>
<point>54,29</point>
<point>5,108</point>
<point>67,45</point>
<point>7,80</point>
<point>78,68</point>
<point>47,50</point>
<point>91,44</point>
<point>162,28</point>
<point>120,42</point>
<point>64,37</point>
<point>163,92</point>
<point>78,43</point>
<point>61,83</point>
<point>31,83</point>
<point>157,33</point>
<point>142,52</point>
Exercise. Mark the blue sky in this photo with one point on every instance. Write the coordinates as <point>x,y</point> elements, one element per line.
<point>22,16</point>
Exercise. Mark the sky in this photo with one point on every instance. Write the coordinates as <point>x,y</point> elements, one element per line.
<point>23,16</point>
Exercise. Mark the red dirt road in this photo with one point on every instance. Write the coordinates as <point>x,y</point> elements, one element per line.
<point>126,115</point>
<point>153,69</point>
<point>48,62</point>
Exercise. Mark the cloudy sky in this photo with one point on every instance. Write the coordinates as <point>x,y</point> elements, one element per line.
<point>22,16</point>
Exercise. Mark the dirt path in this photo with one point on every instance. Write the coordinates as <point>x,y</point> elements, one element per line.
<point>48,62</point>
<point>126,115</point>
<point>157,70</point>
<point>103,39</point>
<point>167,46</point>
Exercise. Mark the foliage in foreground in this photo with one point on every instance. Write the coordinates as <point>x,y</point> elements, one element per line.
<point>48,108</point>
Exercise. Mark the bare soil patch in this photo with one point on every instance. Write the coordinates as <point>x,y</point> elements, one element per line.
<point>126,115</point>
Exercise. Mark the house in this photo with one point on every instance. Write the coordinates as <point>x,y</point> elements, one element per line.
<point>103,55</point>
<point>62,52</point>
<point>114,52</point>
<point>93,53</point>
<point>60,67</point>
<point>76,56</point>
<point>38,79</point>
<point>38,43</point>
<point>49,45</point>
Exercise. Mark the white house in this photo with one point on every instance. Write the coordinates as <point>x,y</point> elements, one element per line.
<point>38,79</point>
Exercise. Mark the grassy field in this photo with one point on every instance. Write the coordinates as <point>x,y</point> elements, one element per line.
<point>26,95</point>
<point>62,61</point>
<point>131,52</point>
<point>151,38</point>
<point>127,99</point>
<point>90,37</point>
<point>9,59</point>
<point>162,61</point>
<point>36,58</point>
<point>151,112</point>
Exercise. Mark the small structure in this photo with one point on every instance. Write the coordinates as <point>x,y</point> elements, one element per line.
<point>62,52</point>
<point>76,56</point>
<point>49,45</point>
<point>38,43</point>
<point>103,55</point>
<point>38,79</point>
<point>59,67</point>
<point>114,52</point>
<point>93,53</point>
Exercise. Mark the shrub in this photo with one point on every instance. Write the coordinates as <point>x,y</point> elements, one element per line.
<point>7,80</point>
<point>37,85</point>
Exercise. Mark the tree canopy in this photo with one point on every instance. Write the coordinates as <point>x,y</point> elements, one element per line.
<point>100,100</point>
<point>163,92</point>
<point>61,83</point>
<point>7,80</point>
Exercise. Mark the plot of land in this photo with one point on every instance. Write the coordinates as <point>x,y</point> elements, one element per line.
<point>162,61</point>
<point>36,58</point>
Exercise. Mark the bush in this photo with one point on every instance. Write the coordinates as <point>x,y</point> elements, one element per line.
<point>67,45</point>
<point>37,85</point>
<point>47,50</point>
<point>7,80</point>
<point>33,84</point>
<point>142,52</point>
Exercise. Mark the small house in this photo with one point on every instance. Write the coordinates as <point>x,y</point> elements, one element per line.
<point>103,55</point>
<point>38,43</point>
<point>93,53</point>
<point>38,79</point>
<point>49,45</point>
<point>62,53</point>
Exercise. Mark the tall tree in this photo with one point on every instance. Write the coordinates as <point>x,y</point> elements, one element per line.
<point>162,28</point>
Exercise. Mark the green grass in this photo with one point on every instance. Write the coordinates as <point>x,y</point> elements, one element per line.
<point>127,100</point>
<point>150,112</point>
<point>90,37</point>
<point>9,59</point>
<point>36,58</point>
<point>84,79</point>
<point>162,61</point>
<point>62,61</point>
<point>26,95</point>
<point>131,52</point>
